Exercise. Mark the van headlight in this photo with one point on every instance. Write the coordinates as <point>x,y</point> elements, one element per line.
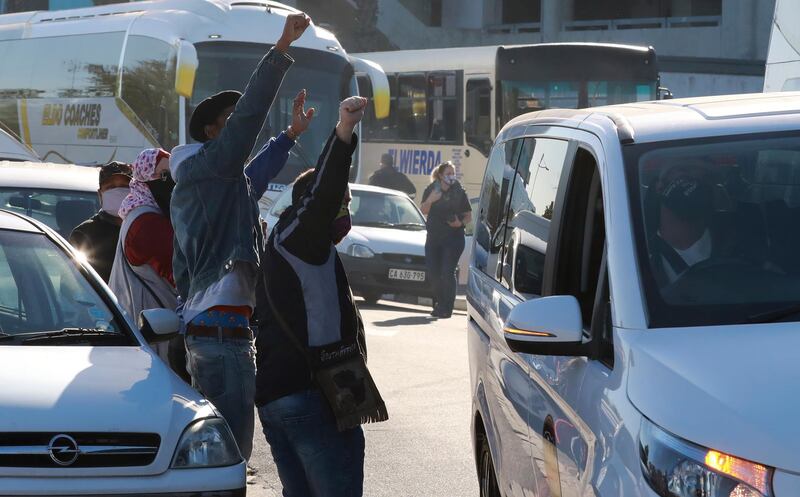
<point>360,251</point>
<point>206,443</point>
<point>676,468</point>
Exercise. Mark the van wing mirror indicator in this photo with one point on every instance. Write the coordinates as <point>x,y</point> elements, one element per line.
<point>547,326</point>
<point>158,325</point>
<point>186,69</point>
<point>379,82</point>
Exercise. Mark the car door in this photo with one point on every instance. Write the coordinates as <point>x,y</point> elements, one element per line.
<point>505,380</point>
<point>564,431</point>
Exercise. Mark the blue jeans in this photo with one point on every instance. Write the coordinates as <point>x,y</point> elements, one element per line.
<point>313,458</point>
<point>224,371</point>
<point>441,259</point>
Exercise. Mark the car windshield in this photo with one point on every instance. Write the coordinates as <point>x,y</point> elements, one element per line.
<point>61,210</point>
<point>385,211</point>
<point>718,228</point>
<point>42,290</point>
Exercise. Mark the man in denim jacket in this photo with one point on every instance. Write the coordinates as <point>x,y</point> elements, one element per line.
<point>218,237</point>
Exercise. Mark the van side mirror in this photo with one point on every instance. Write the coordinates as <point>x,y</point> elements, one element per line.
<point>547,326</point>
<point>159,325</point>
<point>185,69</point>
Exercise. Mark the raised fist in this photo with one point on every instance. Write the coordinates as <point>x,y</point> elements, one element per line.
<point>294,28</point>
<point>351,111</point>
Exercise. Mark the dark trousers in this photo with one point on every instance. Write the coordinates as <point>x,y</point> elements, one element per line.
<point>441,258</point>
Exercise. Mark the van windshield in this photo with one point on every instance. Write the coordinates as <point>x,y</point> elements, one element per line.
<point>717,225</point>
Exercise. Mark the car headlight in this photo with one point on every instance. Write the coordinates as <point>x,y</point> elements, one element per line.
<point>676,468</point>
<point>206,443</point>
<point>360,251</point>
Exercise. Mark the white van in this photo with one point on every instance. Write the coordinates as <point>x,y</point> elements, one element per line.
<point>633,298</point>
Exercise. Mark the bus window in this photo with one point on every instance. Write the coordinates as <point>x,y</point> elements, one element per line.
<point>65,66</point>
<point>148,86</point>
<point>478,119</point>
<point>412,108</point>
<point>444,121</point>
<point>619,92</point>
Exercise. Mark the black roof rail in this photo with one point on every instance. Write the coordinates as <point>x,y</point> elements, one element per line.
<point>624,129</point>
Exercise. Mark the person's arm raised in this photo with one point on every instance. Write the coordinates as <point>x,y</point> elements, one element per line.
<point>309,236</point>
<point>226,155</point>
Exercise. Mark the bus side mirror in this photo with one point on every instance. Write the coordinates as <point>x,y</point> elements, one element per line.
<point>185,69</point>
<point>378,81</point>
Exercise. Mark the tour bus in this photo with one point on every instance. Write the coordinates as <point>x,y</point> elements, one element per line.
<point>448,104</point>
<point>783,58</point>
<point>97,84</point>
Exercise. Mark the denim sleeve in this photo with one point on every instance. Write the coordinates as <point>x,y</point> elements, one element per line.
<point>225,156</point>
<point>268,163</point>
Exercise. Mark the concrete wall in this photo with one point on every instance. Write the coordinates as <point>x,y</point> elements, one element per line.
<point>698,85</point>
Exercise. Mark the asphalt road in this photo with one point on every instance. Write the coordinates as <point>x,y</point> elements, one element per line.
<point>420,366</point>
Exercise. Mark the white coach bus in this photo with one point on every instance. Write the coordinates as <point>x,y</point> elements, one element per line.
<point>783,58</point>
<point>94,84</point>
<point>449,104</point>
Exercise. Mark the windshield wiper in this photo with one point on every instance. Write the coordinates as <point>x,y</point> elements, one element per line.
<point>72,333</point>
<point>774,315</point>
<point>409,225</point>
<point>380,224</point>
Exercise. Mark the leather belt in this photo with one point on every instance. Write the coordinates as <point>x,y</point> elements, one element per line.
<point>219,332</point>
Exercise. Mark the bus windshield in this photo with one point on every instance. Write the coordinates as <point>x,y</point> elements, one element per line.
<point>519,97</point>
<point>326,76</point>
<point>572,76</point>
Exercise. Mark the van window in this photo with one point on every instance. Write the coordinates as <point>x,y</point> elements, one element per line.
<point>580,268</point>
<point>489,235</point>
<point>530,210</point>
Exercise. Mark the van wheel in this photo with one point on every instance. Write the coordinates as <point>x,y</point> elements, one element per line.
<point>371,298</point>
<point>488,478</point>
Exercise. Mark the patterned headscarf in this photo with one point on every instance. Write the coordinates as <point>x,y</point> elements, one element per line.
<point>144,170</point>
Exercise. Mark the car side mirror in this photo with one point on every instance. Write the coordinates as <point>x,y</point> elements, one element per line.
<point>159,325</point>
<point>547,326</point>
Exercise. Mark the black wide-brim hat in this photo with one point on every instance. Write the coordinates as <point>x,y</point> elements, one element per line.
<point>208,111</point>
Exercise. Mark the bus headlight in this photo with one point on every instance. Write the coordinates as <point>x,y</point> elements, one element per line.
<point>206,443</point>
<point>360,251</point>
<point>676,468</point>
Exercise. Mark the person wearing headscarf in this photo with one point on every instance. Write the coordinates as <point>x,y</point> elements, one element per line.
<point>141,277</point>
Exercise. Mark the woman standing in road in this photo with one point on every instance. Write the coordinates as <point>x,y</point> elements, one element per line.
<point>447,208</point>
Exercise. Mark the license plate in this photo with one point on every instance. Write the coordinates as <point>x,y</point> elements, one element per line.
<point>406,274</point>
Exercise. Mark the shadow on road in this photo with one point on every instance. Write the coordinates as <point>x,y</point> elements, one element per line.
<point>405,321</point>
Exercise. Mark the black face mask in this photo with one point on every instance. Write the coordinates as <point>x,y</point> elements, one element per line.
<point>162,192</point>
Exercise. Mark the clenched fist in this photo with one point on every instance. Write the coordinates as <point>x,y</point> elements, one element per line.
<point>294,28</point>
<point>351,111</point>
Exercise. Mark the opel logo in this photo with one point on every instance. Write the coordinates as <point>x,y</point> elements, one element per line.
<point>63,450</point>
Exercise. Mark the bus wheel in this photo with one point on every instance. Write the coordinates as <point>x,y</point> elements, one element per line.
<point>488,478</point>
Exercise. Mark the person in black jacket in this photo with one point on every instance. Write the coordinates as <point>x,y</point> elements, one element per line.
<point>447,208</point>
<point>97,236</point>
<point>307,285</point>
<point>388,177</point>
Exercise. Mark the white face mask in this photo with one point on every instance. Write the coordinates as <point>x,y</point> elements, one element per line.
<point>112,199</point>
<point>449,178</point>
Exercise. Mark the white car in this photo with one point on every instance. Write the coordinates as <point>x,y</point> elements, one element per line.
<point>13,150</point>
<point>60,195</point>
<point>384,253</point>
<point>87,408</point>
<point>633,302</point>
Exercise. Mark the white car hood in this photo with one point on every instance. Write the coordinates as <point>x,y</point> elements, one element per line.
<point>730,388</point>
<point>383,240</point>
<point>93,389</point>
